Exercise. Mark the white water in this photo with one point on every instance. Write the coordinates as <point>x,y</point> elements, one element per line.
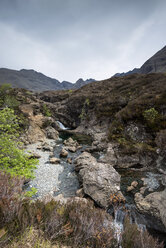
<point>119,217</point>
<point>118,224</point>
<point>61,125</point>
<point>152,181</point>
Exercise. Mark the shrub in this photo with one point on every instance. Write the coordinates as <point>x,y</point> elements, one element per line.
<point>151,115</point>
<point>10,102</point>
<point>7,97</point>
<point>12,158</point>
<point>78,227</point>
<point>10,193</point>
<point>134,238</point>
<point>9,123</point>
<point>46,111</point>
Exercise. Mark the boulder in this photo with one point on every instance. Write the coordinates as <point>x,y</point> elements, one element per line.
<point>99,180</point>
<point>39,147</point>
<point>55,160</point>
<point>154,205</point>
<point>142,190</point>
<point>130,188</point>
<point>48,145</point>
<point>51,133</point>
<point>63,153</point>
<point>70,142</point>
<point>47,148</point>
<point>71,145</point>
<point>134,184</point>
<point>69,160</point>
<point>35,155</point>
<point>71,149</point>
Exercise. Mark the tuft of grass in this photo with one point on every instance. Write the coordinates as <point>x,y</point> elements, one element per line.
<point>31,238</point>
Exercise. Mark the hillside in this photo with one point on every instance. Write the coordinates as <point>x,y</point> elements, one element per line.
<point>157,63</point>
<point>123,98</point>
<point>35,81</point>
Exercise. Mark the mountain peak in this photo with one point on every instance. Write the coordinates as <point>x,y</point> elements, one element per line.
<point>32,80</point>
<point>157,63</point>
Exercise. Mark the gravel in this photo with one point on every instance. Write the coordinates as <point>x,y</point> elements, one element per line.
<point>47,174</point>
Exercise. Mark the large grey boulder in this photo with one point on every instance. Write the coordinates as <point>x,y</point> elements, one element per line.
<point>100,180</point>
<point>154,205</point>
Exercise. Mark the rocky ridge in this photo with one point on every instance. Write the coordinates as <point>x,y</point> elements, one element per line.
<point>33,80</point>
<point>155,64</point>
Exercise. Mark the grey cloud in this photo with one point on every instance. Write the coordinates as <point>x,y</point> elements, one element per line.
<point>69,39</point>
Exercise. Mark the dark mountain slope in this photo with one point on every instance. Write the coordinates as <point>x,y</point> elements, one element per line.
<point>157,63</point>
<point>35,81</point>
<point>28,79</point>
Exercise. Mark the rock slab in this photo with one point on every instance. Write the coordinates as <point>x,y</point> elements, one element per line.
<point>99,180</point>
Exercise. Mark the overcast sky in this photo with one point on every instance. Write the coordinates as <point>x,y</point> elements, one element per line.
<point>70,39</point>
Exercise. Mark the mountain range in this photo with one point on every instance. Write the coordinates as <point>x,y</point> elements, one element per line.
<point>36,81</point>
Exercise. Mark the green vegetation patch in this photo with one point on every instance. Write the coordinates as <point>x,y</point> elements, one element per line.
<point>12,158</point>
<point>46,111</point>
<point>7,97</point>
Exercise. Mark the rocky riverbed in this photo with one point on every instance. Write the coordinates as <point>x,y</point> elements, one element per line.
<point>55,174</point>
<point>66,170</point>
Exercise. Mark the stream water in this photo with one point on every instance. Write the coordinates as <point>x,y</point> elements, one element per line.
<point>60,178</point>
<point>56,179</point>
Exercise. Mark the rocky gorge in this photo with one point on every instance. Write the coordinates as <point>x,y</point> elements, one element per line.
<point>126,120</point>
<point>121,162</point>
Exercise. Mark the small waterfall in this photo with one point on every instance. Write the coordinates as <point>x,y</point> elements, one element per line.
<point>119,216</point>
<point>120,213</point>
<point>61,125</point>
